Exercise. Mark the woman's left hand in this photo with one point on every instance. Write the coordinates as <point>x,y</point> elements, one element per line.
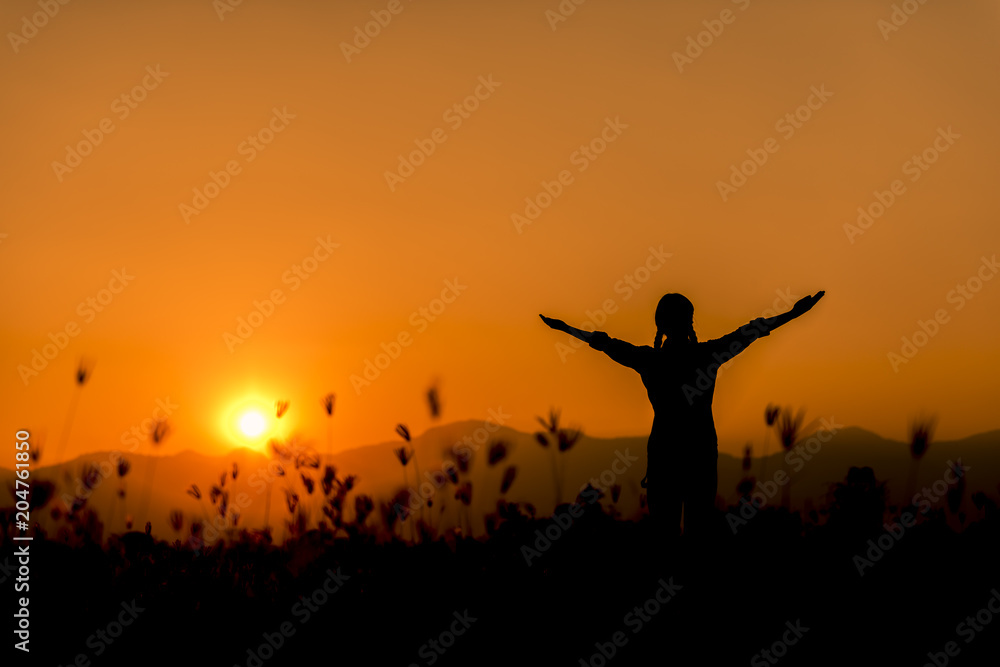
<point>558,325</point>
<point>804,304</point>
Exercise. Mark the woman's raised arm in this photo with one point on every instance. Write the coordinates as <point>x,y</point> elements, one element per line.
<point>620,351</point>
<point>801,307</point>
<point>737,341</point>
<point>559,325</point>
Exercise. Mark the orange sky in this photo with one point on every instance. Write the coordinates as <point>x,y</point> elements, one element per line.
<point>318,170</point>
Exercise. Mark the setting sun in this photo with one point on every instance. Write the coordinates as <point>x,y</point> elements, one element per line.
<point>248,422</point>
<point>252,423</point>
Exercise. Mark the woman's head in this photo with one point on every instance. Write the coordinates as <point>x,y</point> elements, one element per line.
<point>674,319</point>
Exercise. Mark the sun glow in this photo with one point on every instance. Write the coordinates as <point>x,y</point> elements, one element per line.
<point>249,423</point>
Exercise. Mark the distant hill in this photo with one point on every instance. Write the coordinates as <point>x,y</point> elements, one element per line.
<point>380,473</point>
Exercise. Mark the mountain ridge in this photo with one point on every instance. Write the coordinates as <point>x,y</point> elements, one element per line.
<point>543,476</point>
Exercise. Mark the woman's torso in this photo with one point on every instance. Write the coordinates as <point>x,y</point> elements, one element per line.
<point>680,383</point>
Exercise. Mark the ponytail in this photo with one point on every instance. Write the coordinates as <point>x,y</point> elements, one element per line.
<point>689,337</point>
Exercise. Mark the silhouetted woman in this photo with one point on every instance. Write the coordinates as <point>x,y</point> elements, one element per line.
<point>679,375</point>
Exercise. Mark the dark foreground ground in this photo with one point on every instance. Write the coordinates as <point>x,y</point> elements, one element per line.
<point>778,584</point>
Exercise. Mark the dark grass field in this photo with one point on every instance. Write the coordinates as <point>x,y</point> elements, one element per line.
<point>596,592</point>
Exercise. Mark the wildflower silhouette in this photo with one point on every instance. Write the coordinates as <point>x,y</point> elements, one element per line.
<point>434,402</point>
<point>122,469</point>
<point>279,453</point>
<point>788,429</point>
<point>405,456</point>
<point>770,416</point>
<point>176,520</point>
<point>679,374</point>
<point>328,402</point>
<point>921,434</point>
<point>565,439</point>
<point>508,478</point>
<point>161,429</point>
<point>83,372</point>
